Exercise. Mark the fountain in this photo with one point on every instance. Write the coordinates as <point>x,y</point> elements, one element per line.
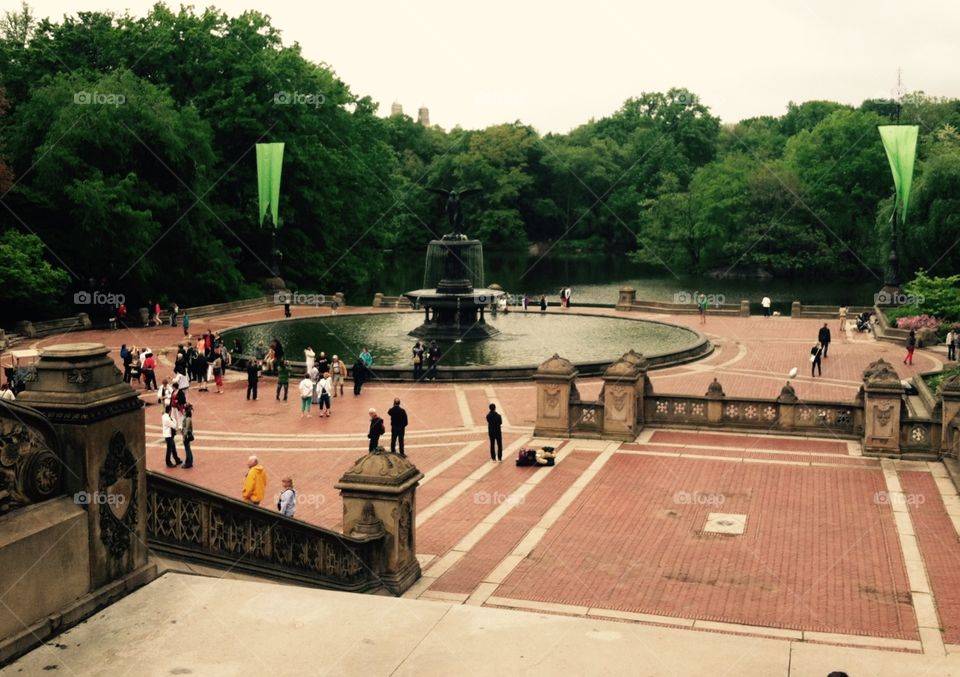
<point>453,296</point>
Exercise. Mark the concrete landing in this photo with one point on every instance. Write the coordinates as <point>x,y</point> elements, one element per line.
<point>194,625</point>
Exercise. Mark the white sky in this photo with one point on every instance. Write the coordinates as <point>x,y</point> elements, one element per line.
<point>557,64</point>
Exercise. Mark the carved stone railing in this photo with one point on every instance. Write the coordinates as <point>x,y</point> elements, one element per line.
<point>586,417</point>
<point>187,521</point>
<point>682,409</point>
<point>839,418</point>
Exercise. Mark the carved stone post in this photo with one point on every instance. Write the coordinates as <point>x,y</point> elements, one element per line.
<point>100,422</point>
<point>796,309</point>
<point>380,497</point>
<point>715,397</point>
<point>883,393</point>
<point>644,387</point>
<point>788,407</point>
<point>555,381</point>
<point>621,419</point>
<point>950,437</point>
<point>626,299</point>
<point>744,308</point>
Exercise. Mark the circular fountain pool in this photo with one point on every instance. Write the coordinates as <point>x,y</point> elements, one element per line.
<point>591,342</point>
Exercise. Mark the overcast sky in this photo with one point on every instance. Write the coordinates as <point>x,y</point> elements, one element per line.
<point>557,64</point>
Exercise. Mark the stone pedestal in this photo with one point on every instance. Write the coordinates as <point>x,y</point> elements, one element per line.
<point>883,393</point>
<point>100,423</point>
<point>788,407</point>
<point>626,298</point>
<point>950,417</point>
<point>554,379</point>
<point>380,498</point>
<point>621,420</point>
<point>715,397</point>
<point>744,308</point>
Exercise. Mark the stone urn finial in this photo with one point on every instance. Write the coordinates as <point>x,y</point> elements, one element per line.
<point>715,390</point>
<point>787,394</point>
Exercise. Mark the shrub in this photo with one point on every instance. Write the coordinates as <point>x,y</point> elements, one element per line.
<point>916,322</point>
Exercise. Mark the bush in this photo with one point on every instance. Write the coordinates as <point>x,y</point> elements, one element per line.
<point>937,296</point>
<point>917,322</point>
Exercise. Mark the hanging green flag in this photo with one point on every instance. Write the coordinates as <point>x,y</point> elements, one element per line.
<point>269,165</point>
<point>900,142</point>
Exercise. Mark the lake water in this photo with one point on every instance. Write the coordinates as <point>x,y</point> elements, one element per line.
<point>598,280</point>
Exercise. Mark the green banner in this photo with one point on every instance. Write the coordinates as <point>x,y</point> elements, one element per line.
<point>900,142</point>
<point>269,165</point>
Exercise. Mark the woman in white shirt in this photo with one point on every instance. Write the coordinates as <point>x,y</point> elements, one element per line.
<point>310,357</point>
<point>324,388</point>
<point>169,430</point>
<point>287,503</point>
<point>306,396</point>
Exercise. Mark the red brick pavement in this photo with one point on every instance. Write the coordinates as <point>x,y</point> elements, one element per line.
<point>458,472</point>
<point>455,520</point>
<point>938,545</point>
<point>500,541</point>
<point>819,552</point>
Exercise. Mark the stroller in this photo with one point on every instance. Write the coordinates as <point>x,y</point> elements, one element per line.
<point>863,321</point>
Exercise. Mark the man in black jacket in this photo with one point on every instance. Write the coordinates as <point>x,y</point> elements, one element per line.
<point>398,424</point>
<point>253,378</point>
<point>376,430</point>
<point>494,421</point>
<point>824,338</point>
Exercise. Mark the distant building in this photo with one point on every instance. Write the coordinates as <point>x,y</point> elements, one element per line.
<point>396,108</point>
<point>423,116</point>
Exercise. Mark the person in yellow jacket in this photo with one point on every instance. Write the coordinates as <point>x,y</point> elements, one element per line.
<point>255,483</point>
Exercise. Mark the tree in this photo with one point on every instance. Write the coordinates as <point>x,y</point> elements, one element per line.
<point>28,283</point>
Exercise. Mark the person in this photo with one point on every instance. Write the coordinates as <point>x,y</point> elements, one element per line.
<point>286,309</point>
<point>237,347</point>
<point>324,386</point>
<point>163,393</point>
<point>126,354</point>
<point>6,393</point>
<point>956,342</point>
<point>186,428</point>
<point>823,336</point>
<point>306,396</point>
<point>260,352</point>
<point>202,369</point>
<point>526,301</point>
<point>323,364</point>
<point>287,501</point>
<point>951,348</point>
<point>359,374</point>
<point>337,371</point>
<point>149,371</point>
<point>270,361</point>
<point>567,293</point>
<point>218,371</point>
<point>174,311</point>
<point>156,314</point>
<point>433,359</point>
<point>815,353</point>
<point>186,324</point>
<point>253,377</point>
<point>283,379</point>
<point>255,483</point>
<point>494,422</point>
<point>169,430</point>
<point>843,319</point>
<point>702,307</point>
<point>136,366</point>
<point>543,303</point>
<point>765,304</point>
<point>417,361</point>
<point>122,314</point>
<point>376,430</point>
<point>366,357</point>
<point>310,357</point>
<point>563,299</point>
<point>398,424</point>
<point>911,346</point>
<point>278,351</point>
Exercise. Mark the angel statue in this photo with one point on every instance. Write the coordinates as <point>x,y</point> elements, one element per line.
<point>452,207</point>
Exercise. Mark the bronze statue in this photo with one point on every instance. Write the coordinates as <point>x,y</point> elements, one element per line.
<point>452,207</point>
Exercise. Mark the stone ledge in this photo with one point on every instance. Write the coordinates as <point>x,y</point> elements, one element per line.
<point>80,610</point>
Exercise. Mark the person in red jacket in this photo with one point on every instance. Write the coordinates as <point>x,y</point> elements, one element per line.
<point>149,372</point>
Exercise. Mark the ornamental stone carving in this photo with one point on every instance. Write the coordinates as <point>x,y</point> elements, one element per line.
<point>30,466</point>
<point>117,499</point>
